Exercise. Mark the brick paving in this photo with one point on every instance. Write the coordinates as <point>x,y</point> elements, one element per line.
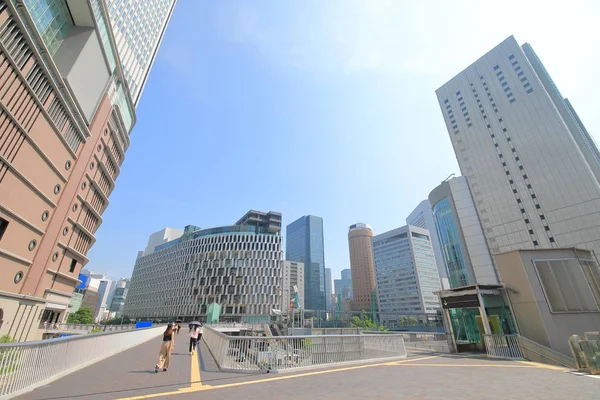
<point>423,376</point>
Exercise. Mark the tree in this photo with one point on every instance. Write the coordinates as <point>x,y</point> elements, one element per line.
<point>82,316</point>
<point>365,323</point>
<point>413,320</point>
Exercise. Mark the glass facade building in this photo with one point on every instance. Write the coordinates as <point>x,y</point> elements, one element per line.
<point>451,249</point>
<point>304,243</point>
<point>52,20</point>
<point>138,27</point>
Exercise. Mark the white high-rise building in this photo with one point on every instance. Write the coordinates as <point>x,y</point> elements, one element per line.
<point>161,237</point>
<point>422,217</point>
<point>104,292</point>
<point>532,168</point>
<point>293,279</point>
<point>138,27</point>
<point>406,272</point>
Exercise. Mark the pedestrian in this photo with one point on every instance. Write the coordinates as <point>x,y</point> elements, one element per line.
<point>200,332</point>
<point>194,338</point>
<point>164,356</point>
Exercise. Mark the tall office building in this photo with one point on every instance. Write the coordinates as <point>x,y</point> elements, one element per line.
<point>406,273</point>
<point>304,243</point>
<point>422,217</point>
<point>532,168</point>
<point>65,120</point>
<point>238,267</point>
<point>464,249</point>
<point>118,301</point>
<point>293,282</point>
<point>139,27</point>
<point>363,269</point>
<point>343,286</point>
<point>104,291</point>
<point>328,288</point>
<point>346,274</point>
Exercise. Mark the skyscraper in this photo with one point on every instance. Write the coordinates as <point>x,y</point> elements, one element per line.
<point>532,168</point>
<point>328,288</point>
<point>304,243</point>
<point>346,274</point>
<point>362,266</point>
<point>343,286</point>
<point>406,273</point>
<point>422,217</point>
<point>139,27</point>
<point>65,120</point>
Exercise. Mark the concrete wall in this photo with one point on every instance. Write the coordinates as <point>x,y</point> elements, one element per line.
<point>531,309</point>
<point>20,316</point>
<point>81,63</point>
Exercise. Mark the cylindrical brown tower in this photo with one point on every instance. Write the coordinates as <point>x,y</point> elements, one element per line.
<point>362,265</point>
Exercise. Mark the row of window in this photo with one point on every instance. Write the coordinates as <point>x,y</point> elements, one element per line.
<point>520,73</point>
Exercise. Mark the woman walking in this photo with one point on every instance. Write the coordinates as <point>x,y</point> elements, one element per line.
<point>164,357</point>
<point>194,338</point>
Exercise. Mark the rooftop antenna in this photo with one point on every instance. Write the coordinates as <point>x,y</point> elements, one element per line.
<point>449,176</point>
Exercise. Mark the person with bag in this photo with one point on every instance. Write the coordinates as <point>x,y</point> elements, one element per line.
<point>194,338</point>
<point>164,356</point>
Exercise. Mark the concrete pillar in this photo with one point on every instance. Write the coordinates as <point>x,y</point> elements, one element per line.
<point>486,324</point>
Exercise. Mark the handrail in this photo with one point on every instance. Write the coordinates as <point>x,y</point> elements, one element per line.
<point>256,354</point>
<point>554,353</point>
<point>27,365</point>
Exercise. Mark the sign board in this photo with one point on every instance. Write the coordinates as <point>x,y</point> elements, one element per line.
<point>466,301</point>
<point>143,324</point>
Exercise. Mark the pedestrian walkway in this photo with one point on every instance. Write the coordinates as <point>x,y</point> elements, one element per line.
<point>423,376</point>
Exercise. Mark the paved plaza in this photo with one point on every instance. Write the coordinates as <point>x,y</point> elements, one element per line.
<point>422,376</point>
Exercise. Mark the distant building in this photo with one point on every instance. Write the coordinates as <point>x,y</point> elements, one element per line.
<point>293,279</point>
<point>328,288</point>
<point>346,274</point>
<point>407,276</point>
<point>343,286</point>
<point>104,291</point>
<point>422,217</point>
<point>118,300</point>
<point>305,243</point>
<point>362,266</point>
<point>161,237</point>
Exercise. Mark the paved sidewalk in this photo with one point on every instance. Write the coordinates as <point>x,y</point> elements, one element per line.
<point>422,376</point>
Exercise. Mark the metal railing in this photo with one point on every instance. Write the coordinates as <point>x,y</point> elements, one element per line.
<point>503,346</point>
<point>283,353</point>
<point>517,347</point>
<point>534,351</point>
<point>84,327</point>
<point>27,365</point>
<point>432,341</point>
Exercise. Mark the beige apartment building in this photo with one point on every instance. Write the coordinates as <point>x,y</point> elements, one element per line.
<point>363,267</point>
<point>65,118</point>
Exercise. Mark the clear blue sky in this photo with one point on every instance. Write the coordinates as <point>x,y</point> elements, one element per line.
<point>317,107</point>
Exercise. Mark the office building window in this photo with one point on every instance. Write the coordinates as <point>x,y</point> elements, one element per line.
<point>569,286</point>
<point>3,226</point>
